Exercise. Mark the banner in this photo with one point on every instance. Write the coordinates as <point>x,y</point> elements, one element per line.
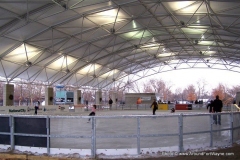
<point>31,109</point>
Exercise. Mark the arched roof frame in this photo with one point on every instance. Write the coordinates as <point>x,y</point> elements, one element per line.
<point>100,43</point>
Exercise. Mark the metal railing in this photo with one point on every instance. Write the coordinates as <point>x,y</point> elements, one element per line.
<point>227,107</point>
<point>119,135</point>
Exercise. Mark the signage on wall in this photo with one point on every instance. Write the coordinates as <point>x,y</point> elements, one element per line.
<point>146,98</point>
<point>16,110</point>
<point>29,109</point>
<point>61,108</point>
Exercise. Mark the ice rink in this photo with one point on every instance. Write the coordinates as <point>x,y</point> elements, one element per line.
<point>119,129</point>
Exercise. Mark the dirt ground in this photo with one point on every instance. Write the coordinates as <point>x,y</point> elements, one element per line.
<point>230,153</point>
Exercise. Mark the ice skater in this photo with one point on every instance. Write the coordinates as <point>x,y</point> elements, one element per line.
<point>154,106</point>
<point>110,102</point>
<point>217,108</point>
<point>37,107</point>
<point>210,106</point>
<point>93,113</point>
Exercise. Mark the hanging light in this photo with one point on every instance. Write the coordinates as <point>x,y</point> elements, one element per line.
<point>28,64</point>
<point>67,71</point>
<point>182,23</point>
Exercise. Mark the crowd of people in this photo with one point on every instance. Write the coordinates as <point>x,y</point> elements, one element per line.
<point>215,106</point>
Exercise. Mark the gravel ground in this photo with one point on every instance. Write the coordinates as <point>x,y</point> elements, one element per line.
<point>230,153</point>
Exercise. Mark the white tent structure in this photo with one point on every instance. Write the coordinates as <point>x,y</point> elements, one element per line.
<point>101,42</point>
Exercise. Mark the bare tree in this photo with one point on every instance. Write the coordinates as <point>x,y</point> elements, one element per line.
<point>159,86</point>
<point>120,90</point>
<point>233,91</point>
<point>222,91</point>
<point>136,87</point>
<point>190,93</point>
<point>147,88</point>
<point>28,92</point>
<point>167,92</point>
<point>18,93</point>
<point>131,86</point>
<point>88,95</point>
<point>201,84</point>
<point>177,96</point>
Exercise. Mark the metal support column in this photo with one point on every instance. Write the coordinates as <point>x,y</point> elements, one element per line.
<point>180,123</point>
<point>231,125</point>
<point>48,133</point>
<point>138,135</point>
<point>11,123</point>
<point>211,129</point>
<point>93,150</point>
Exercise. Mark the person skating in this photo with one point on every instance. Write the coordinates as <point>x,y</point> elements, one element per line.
<point>154,106</point>
<point>110,102</point>
<point>217,108</point>
<point>93,113</point>
<point>36,107</point>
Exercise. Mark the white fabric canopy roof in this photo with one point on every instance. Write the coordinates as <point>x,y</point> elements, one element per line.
<point>99,42</point>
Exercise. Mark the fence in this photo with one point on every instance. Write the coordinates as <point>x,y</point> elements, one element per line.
<point>117,135</point>
<point>228,107</point>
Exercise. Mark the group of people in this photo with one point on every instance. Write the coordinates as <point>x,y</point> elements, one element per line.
<point>215,106</point>
<point>154,106</point>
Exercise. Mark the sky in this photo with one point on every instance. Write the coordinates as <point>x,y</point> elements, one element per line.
<point>213,77</point>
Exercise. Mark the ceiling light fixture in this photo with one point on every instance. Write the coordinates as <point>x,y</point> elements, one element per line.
<point>67,71</point>
<point>28,63</point>
<point>136,46</point>
<point>112,30</point>
<point>182,23</point>
<point>196,41</point>
<point>60,3</point>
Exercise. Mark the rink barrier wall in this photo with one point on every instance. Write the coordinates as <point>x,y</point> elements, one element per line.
<point>11,130</point>
<point>62,109</point>
<point>31,109</point>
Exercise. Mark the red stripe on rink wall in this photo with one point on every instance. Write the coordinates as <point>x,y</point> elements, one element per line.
<point>183,106</point>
